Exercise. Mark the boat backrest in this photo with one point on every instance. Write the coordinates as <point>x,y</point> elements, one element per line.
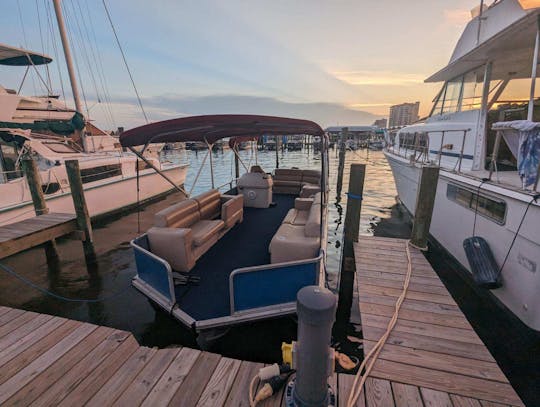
<point>311,177</point>
<point>181,215</point>
<point>288,174</point>
<point>209,204</point>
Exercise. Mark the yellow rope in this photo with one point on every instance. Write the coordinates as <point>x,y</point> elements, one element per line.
<point>371,357</point>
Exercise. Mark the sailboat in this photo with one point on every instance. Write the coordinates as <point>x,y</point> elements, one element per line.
<point>483,134</point>
<point>43,128</point>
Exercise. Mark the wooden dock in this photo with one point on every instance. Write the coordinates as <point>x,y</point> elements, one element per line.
<point>37,230</point>
<point>433,356</point>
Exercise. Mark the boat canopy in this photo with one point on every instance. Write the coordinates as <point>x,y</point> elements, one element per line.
<point>506,37</point>
<point>20,57</point>
<point>210,128</point>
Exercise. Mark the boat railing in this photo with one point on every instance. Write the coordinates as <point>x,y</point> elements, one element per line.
<point>416,147</point>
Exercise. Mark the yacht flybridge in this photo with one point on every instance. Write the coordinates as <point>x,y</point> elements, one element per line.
<point>220,259</point>
<point>484,133</point>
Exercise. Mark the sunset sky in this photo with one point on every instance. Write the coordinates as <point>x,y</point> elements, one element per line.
<point>325,60</point>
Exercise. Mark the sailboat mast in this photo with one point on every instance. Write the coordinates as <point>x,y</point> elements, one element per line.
<point>67,54</point>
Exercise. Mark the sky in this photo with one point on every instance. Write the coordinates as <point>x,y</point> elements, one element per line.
<point>338,62</point>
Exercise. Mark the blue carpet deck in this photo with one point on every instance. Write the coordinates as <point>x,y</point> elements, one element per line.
<point>244,245</point>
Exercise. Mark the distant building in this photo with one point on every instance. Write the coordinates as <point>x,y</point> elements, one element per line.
<point>403,114</point>
<point>359,133</point>
<point>381,123</point>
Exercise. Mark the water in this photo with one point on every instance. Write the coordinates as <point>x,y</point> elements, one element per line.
<point>129,310</point>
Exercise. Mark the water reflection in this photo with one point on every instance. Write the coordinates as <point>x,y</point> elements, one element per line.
<point>115,266</point>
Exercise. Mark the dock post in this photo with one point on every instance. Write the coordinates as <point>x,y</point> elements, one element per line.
<point>316,308</point>
<point>351,229</point>
<point>341,163</point>
<point>79,202</point>
<point>236,162</point>
<point>40,206</point>
<point>277,152</point>
<point>425,200</point>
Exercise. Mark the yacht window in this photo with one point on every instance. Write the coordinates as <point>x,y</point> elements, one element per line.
<point>60,148</point>
<point>486,206</point>
<point>472,91</point>
<point>8,159</point>
<point>100,172</point>
<point>451,95</point>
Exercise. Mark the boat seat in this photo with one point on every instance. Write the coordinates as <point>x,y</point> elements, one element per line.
<point>183,232</point>
<point>204,230</point>
<point>292,180</point>
<point>299,236</point>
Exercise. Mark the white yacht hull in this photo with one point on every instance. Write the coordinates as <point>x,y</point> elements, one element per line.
<point>102,197</point>
<point>452,223</point>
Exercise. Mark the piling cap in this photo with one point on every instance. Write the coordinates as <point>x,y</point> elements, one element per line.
<point>315,305</point>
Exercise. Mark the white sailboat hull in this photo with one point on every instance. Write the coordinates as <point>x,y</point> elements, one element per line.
<point>452,223</point>
<point>102,197</point>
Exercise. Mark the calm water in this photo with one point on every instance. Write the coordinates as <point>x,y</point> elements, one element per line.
<point>129,310</point>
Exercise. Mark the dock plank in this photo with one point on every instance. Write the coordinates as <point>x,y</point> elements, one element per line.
<point>16,322</point>
<point>434,398</point>
<point>48,378</point>
<point>122,378</point>
<point>80,364</point>
<point>28,373</point>
<point>219,385</point>
<point>238,395</point>
<point>38,348</point>
<point>101,374</point>
<point>138,390</point>
<point>172,378</point>
<point>189,392</point>
<point>378,393</point>
<point>456,321</point>
<point>440,361</point>
<point>345,382</point>
<point>23,330</point>
<point>406,395</point>
<point>424,329</point>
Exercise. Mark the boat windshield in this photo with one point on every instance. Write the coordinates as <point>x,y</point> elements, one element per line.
<point>460,94</point>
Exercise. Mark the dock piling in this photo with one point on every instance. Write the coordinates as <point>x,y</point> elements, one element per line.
<point>350,233</point>
<point>40,206</point>
<point>316,312</point>
<point>425,201</point>
<point>341,162</point>
<point>81,210</point>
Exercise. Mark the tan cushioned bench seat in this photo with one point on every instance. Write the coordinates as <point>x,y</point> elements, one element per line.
<point>291,180</point>
<point>298,237</point>
<point>183,232</point>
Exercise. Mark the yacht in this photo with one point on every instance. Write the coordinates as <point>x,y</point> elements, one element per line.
<point>483,134</point>
<point>43,128</point>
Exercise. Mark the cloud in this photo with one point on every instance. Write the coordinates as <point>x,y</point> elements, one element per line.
<point>173,105</point>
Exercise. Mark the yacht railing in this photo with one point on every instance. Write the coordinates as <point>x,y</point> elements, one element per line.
<point>420,147</point>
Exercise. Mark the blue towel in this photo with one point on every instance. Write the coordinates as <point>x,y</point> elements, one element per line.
<point>529,156</point>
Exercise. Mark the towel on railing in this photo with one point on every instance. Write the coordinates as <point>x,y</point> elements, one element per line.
<point>527,150</point>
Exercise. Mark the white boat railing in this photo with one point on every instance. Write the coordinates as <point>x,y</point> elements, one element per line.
<point>420,147</point>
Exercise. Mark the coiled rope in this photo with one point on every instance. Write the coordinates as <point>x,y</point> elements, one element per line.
<point>371,357</point>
